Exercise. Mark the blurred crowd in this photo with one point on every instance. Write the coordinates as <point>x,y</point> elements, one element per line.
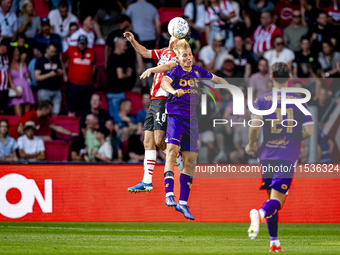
<point>70,58</point>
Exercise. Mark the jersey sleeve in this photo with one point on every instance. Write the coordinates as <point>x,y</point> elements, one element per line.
<point>204,74</point>
<point>156,54</point>
<point>307,119</point>
<point>172,74</point>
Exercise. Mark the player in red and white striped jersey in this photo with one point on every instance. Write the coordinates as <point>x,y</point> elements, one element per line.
<point>264,34</point>
<point>3,78</point>
<point>155,123</point>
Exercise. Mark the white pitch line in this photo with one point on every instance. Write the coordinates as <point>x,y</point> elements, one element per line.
<point>97,229</point>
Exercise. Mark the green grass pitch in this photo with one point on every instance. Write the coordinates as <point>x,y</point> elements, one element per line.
<point>162,238</point>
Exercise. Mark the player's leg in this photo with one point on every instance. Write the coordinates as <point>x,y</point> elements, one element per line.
<point>150,154</point>
<point>169,174</point>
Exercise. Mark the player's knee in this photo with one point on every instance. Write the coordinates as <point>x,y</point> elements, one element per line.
<point>171,154</point>
<point>159,141</point>
<point>210,145</point>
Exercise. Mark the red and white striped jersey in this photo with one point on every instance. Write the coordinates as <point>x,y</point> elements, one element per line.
<point>211,17</point>
<point>263,38</point>
<point>333,11</point>
<point>4,72</point>
<point>164,56</point>
<point>73,39</point>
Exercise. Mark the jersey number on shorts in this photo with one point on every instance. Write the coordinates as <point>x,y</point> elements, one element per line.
<point>279,119</point>
<point>163,116</point>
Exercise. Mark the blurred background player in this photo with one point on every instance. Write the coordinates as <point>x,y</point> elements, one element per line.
<point>280,148</point>
<point>155,122</point>
<point>182,83</point>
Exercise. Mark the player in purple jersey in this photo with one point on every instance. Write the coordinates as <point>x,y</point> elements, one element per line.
<point>182,82</point>
<point>278,154</point>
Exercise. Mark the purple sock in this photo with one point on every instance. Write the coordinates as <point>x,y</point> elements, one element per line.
<point>272,224</point>
<point>186,182</point>
<point>271,206</point>
<point>169,184</point>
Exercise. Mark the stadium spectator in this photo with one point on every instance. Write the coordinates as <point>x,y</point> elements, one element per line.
<point>41,8</point>
<point>302,66</point>
<point>136,148</point>
<point>141,115</point>
<point>104,152</point>
<point>8,145</point>
<point>255,8</point>
<point>257,80</point>
<point>20,78</point>
<point>130,55</point>
<point>38,50</point>
<point>280,53</point>
<point>46,36</point>
<point>263,36</point>
<point>119,77</point>
<point>325,148</point>
<point>91,143</point>
<point>321,32</point>
<point>333,13</point>
<point>243,58</point>
<point>77,149</point>
<point>87,23</point>
<point>294,32</point>
<point>47,74</point>
<point>193,39</point>
<point>31,147</point>
<point>102,114</point>
<point>217,16</point>
<point>229,71</point>
<point>328,60</point>
<point>4,79</point>
<point>61,19</point>
<point>283,13</point>
<point>28,22</point>
<point>213,55</point>
<point>240,140</point>
<point>42,121</point>
<point>309,12</point>
<point>322,104</point>
<point>72,29</point>
<point>124,119</point>
<point>81,67</point>
<point>147,27</point>
<point>8,21</point>
<point>195,11</point>
<point>116,143</point>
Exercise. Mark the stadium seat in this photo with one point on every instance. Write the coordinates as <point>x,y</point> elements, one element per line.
<point>56,150</point>
<point>67,122</point>
<point>13,124</point>
<point>100,54</point>
<point>168,13</point>
<point>136,101</point>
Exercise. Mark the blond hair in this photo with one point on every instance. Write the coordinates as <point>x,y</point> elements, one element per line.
<point>23,8</point>
<point>181,45</point>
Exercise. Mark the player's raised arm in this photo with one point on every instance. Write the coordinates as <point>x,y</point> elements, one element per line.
<point>144,52</point>
<point>166,86</point>
<point>158,69</point>
<point>218,80</point>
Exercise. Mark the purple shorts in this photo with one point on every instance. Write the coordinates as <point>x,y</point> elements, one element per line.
<point>183,131</point>
<point>277,174</point>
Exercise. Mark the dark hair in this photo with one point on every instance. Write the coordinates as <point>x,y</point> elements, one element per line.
<point>94,115</point>
<point>22,36</point>
<point>262,58</point>
<point>63,4</point>
<point>5,120</point>
<point>51,43</point>
<point>280,72</point>
<point>329,42</point>
<point>40,46</point>
<point>44,104</point>
<point>103,130</point>
<point>269,12</point>
<point>304,38</point>
<point>321,12</point>
<point>73,24</point>
<point>124,101</point>
<point>84,17</point>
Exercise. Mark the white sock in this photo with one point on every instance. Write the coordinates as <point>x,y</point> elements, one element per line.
<point>275,242</point>
<point>181,202</point>
<point>262,213</point>
<point>149,164</point>
<point>169,194</point>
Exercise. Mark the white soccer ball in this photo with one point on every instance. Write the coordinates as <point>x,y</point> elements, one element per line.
<point>178,27</point>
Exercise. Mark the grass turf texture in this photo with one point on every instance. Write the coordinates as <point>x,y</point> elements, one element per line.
<point>162,238</point>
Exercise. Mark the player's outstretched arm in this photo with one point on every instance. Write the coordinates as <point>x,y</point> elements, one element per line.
<point>158,69</point>
<point>307,131</point>
<point>253,133</point>
<point>144,52</point>
<point>166,86</point>
<point>218,80</point>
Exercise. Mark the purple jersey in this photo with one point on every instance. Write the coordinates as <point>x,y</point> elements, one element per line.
<point>189,82</point>
<point>279,142</point>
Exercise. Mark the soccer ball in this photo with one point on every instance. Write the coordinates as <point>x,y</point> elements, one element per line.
<point>178,27</point>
